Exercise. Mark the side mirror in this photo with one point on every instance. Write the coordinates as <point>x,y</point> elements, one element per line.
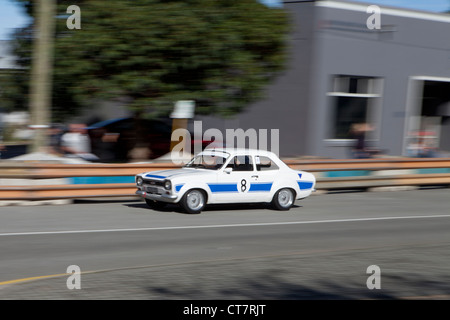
<point>228,170</point>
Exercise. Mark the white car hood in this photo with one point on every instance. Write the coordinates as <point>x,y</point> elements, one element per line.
<point>169,174</point>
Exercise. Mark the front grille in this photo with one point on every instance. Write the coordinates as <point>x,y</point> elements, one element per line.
<point>151,182</point>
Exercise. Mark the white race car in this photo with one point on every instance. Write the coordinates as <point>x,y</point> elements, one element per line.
<point>217,176</point>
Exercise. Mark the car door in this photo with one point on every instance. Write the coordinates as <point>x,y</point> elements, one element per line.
<point>265,176</point>
<point>234,181</point>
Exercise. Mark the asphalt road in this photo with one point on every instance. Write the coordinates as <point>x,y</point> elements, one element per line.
<point>320,249</point>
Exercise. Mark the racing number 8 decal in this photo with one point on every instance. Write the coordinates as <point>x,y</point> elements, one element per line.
<point>243,185</point>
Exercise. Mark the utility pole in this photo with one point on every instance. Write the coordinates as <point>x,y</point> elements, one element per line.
<point>42,71</point>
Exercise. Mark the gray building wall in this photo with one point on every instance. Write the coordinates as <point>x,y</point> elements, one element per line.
<point>285,105</point>
<point>331,38</point>
<point>405,47</point>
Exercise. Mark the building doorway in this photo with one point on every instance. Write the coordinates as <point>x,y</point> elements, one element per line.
<point>429,118</point>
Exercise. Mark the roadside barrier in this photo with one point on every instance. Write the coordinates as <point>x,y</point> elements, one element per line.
<point>46,181</point>
<point>377,174</point>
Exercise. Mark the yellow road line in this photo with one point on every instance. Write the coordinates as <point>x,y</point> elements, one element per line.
<point>33,278</point>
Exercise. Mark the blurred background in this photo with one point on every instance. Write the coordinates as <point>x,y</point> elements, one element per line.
<point>312,69</point>
<point>104,83</point>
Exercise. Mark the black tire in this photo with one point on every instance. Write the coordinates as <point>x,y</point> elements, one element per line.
<point>155,204</point>
<point>284,199</point>
<point>193,201</point>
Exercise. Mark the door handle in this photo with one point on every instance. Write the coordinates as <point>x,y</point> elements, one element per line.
<point>255,176</point>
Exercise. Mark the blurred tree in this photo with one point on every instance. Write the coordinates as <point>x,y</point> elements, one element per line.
<point>151,53</point>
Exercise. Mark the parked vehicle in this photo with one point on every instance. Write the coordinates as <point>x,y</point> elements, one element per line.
<point>114,140</point>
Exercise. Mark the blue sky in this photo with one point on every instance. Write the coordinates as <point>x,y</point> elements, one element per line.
<point>426,5</point>
<point>11,15</point>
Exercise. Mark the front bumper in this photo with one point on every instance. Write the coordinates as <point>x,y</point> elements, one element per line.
<point>157,197</point>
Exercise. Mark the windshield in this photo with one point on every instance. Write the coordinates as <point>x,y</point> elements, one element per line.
<point>211,162</point>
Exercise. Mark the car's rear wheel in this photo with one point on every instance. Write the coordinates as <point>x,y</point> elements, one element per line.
<point>283,199</point>
<point>193,201</point>
<point>155,204</point>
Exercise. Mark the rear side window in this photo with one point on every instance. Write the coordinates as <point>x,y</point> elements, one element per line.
<point>265,164</point>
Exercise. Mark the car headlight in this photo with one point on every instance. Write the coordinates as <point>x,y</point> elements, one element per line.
<point>139,181</point>
<point>167,185</point>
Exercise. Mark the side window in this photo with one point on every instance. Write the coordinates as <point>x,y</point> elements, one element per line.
<point>241,163</point>
<point>265,164</point>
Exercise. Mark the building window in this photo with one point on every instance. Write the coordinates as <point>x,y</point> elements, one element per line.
<point>349,110</point>
<point>354,100</point>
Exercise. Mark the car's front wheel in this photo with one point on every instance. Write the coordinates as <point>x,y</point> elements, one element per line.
<point>283,199</point>
<point>193,201</point>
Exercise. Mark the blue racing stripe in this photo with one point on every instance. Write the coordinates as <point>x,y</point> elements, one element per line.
<point>154,176</point>
<point>223,187</point>
<point>260,186</point>
<point>305,185</point>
